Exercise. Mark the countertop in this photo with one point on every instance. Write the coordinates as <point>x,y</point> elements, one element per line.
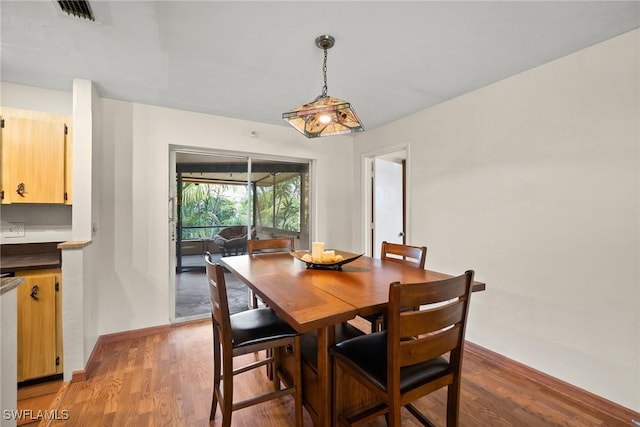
<point>29,256</point>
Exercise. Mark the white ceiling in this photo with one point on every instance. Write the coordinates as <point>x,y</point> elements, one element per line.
<point>255,60</point>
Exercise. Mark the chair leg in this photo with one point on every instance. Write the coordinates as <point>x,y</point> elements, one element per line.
<point>376,325</point>
<point>334,394</point>
<point>216,376</point>
<point>227,400</point>
<point>297,380</point>
<point>252,298</point>
<point>269,366</point>
<point>394,417</point>
<point>453,404</point>
<point>275,367</point>
<point>214,399</point>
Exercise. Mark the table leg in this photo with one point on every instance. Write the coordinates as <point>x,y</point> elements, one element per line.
<point>326,338</point>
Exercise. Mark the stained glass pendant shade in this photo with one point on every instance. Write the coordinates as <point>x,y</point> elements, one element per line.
<point>325,115</point>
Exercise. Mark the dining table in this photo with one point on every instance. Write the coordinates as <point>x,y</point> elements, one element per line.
<point>317,301</point>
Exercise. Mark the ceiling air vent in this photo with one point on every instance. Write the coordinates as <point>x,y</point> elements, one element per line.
<point>79,8</point>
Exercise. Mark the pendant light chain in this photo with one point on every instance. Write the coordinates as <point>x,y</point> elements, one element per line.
<point>324,72</point>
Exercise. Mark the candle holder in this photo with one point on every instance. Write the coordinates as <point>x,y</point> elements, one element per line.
<point>307,258</point>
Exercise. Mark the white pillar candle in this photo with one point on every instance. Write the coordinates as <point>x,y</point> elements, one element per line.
<point>317,249</point>
<point>329,256</point>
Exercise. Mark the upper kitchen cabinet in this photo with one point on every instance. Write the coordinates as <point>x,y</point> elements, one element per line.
<point>36,157</point>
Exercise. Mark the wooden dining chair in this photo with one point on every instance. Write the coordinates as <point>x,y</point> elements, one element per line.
<point>271,245</point>
<point>408,360</point>
<point>414,256</point>
<point>248,332</point>
<point>255,246</point>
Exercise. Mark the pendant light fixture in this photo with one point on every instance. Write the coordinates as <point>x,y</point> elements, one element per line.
<point>325,115</point>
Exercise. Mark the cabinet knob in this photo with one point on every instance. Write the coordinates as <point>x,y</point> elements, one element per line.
<point>20,189</point>
<point>34,292</point>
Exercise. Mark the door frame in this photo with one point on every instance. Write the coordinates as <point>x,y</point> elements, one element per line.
<point>367,191</point>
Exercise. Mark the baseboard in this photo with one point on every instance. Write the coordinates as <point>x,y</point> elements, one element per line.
<point>568,391</point>
<point>92,363</point>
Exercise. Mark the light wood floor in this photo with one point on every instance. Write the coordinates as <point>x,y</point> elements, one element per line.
<point>164,379</point>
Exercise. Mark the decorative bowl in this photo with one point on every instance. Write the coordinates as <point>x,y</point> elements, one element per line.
<point>337,265</point>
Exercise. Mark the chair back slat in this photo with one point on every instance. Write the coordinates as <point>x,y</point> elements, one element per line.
<point>432,331</point>
<point>432,292</point>
<point>430,320</point>
<point>428,346</point>
<point>415,256</point>
<point>281,243</point>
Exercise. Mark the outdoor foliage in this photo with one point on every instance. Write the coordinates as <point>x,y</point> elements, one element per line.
<point>206,208</point>
<point>280,209</point>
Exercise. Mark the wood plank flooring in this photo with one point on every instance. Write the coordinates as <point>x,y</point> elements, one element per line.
<point>164,379</point>
<point>34,399</point>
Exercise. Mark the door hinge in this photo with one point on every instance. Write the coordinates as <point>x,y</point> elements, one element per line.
<point>66,197</point>
<point>57,286</point>
<point>66,129</point>
<point>1,123</point>
<point>2,195</point>
<point>57,360</point>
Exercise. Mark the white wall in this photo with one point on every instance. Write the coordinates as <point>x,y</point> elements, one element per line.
<point>534,183</point>
<point>133,227</point>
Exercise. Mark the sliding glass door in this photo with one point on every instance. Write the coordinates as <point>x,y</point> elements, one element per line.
<point>220,202</point>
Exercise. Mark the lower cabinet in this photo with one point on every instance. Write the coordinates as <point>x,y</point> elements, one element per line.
<point>39,324</point>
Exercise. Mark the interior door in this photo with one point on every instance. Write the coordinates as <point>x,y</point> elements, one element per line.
<point>388,202</point>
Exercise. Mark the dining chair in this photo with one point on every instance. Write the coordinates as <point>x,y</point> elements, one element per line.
<point>408,360</point>
<point>255,246</point>
<point>248,332</point>
<point>414,256</point>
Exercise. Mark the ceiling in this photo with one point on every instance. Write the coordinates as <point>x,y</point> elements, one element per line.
<point>256,60</point>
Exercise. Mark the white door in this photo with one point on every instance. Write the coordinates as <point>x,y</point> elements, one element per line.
<point>388,203</point>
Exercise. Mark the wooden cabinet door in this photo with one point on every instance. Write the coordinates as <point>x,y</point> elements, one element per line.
<point>33,157</point>
<point>37,326</point>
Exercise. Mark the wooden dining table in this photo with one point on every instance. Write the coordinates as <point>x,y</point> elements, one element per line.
<point>315,301</point>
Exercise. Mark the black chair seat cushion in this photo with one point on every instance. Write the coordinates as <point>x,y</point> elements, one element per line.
<point>368,355</point>
<point>256,326</point>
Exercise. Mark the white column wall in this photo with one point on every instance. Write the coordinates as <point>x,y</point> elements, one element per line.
<point>534,183</point>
